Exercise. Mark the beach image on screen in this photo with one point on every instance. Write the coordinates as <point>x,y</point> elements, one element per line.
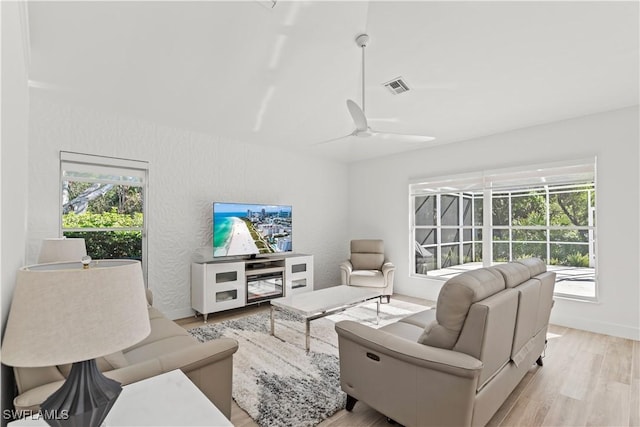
<point>245,229</point>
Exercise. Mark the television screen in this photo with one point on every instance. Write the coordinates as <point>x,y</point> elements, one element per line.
<point>251,229</point>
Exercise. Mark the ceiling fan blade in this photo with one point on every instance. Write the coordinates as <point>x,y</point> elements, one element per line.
<point>362,129</point>
<point>402,136</point>
<point>358,116</point>
<point>333,139</point>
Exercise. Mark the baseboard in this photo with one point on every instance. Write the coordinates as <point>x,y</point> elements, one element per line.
<point>179,313</point>
<point>606,328</point>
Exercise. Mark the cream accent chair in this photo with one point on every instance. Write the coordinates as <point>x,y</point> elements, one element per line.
<point>455,365</point>
<point>368,267</point>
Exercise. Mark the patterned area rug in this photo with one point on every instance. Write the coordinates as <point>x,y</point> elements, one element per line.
<point>275,380</point>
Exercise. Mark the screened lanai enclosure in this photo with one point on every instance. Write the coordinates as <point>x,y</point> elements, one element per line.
<point>461,230</point>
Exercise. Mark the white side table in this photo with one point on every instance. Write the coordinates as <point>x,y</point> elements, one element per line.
<point>170,399</point>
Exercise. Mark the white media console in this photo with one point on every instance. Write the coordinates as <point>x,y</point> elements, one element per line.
<point>228,283</point>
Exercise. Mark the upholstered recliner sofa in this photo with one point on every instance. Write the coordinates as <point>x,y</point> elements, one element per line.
<point>457,364</point>
<point>209,365</point>
<point>367,267</point>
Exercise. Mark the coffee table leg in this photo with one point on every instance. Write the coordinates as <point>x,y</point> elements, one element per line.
<point>307,334</point>
<point>378,311</point>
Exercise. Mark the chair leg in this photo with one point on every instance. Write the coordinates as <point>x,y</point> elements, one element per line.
<point>539,361</point>
<point>351,402</point>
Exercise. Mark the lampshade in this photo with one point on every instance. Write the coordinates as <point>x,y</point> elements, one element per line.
<point>62,313</point>
<point>63,249</point>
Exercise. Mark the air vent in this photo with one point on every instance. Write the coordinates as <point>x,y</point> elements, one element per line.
<point>397,86</point>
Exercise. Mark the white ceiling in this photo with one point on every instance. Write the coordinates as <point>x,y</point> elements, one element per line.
<point>280,76</point>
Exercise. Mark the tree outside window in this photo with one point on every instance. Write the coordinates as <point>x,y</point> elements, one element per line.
<point>103,201</point>
<point>554,222</point>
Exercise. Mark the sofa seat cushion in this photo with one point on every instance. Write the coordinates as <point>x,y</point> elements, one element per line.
<point>31,399</point>
<point>421,319</point>
<point>116,360</point>
<point>367,278</point>
<point>159,348</point>
<point>404,330</point>
<point>105,363</point>
<point>160,328</point>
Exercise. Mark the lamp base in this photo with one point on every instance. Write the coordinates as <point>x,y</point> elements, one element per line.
<point>84,400</point>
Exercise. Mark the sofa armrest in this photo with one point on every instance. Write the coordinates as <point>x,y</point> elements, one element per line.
<point>149,295</point>
<point>411,383</point>
<point>187,359</point>
<point>388,271</point>
<point>346,268</point>
<point>197,356</point>
<point>387,267</point>
<point>438,359</point>
<point>31,399</point>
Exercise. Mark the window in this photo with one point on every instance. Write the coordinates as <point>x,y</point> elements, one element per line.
<point>447,230</point>
<point>542,211</point>
<point>103,200</point>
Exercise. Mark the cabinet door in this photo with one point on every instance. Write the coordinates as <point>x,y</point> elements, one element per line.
<point>225,286</point>
<point>299,274</point>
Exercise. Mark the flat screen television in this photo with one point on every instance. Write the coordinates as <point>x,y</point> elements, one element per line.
<point>244,229</point>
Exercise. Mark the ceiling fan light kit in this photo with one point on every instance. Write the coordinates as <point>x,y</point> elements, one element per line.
<point>359,118</point>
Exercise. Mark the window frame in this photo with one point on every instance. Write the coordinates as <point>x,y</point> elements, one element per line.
<point>90,163</point>
<point>490,183</point>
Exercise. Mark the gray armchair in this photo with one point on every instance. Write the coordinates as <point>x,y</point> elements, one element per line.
<point>368,267</point>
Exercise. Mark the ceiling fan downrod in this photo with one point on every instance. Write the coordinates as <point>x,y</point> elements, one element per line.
<point>362,40</point>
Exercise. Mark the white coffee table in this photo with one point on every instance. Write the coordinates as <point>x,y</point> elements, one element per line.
<point>324,302</point>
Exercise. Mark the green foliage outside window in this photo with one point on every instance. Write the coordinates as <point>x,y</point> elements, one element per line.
<point>105,206</point>
<point>110,244</point>
<point>524,224</point>
<point>111,219</point>
<point>107,244</point>
<point>566,209</point>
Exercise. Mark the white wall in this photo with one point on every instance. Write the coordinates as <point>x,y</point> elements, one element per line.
<point>14,135</point>
<point>379,206</point>
<point>188,171</point>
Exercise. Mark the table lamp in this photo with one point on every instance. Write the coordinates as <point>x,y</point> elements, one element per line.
<point>63,313</point>
<point>62,249</point>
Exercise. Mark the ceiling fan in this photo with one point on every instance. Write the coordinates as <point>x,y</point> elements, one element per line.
<point>362,128</point>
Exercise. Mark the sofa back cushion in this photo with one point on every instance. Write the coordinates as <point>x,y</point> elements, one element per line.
<point>367,254</point>
<point>535,265</point>
<point>106,363</point>
<point>455,298</point>
<point>513,273</point>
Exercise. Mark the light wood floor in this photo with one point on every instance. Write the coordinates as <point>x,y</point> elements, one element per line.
<point>587,380</point>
